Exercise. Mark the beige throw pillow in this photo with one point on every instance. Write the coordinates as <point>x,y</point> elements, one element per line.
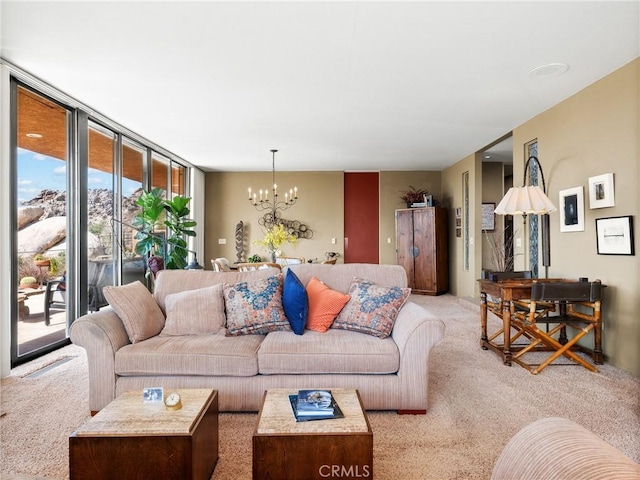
<point>195,312</point>
<point>138,310</point>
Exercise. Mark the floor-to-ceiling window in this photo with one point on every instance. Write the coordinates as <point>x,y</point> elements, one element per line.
<point>75,180</point>
<point>41,155</point>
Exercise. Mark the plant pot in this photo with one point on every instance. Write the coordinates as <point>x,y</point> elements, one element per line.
<point>42,263</point>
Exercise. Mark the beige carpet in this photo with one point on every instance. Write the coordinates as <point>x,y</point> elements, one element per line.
<point>476,405</point>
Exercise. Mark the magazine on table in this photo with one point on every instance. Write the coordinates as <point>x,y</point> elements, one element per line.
<point>314,405</point>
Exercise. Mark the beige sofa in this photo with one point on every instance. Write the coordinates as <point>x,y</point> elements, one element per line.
<point>557,448</point>
<point>390,373</point>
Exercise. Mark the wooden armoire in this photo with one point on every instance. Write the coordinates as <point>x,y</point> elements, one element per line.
<point>422,248</point>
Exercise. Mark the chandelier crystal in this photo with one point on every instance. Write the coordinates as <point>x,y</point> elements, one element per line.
<point>265,202</point>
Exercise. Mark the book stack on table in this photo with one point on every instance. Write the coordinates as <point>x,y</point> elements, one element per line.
<point>314,405</point>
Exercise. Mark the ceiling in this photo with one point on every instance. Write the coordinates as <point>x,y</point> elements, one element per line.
<point>332,85</point>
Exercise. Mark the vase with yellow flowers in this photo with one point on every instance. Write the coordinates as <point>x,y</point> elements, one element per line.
<point>274,237</point>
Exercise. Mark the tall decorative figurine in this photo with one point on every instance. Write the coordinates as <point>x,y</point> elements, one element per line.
<point>239,242</point>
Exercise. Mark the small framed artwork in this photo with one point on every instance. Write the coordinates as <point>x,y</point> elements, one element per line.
<point>601,192</point>
<point>572,210</point>
<point>459,212</point>
<point>615,236</point>
<point>458,222</point>
<point>152,394</point>
<point>458,232</point>
<point>488,217</point>
<point>428,199</point>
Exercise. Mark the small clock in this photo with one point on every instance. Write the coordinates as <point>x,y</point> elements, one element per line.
<point>173,401</point>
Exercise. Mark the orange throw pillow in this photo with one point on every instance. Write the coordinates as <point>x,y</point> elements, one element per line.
<point>324,305</point>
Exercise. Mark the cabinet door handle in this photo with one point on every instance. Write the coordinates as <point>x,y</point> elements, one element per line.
<point>414,251</point>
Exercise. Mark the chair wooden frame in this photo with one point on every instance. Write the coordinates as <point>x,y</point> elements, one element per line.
<point>219,266</point>
<point>517,307</point>
<point>579,308</point>
<point>249,267</point>
<point>283,261</point>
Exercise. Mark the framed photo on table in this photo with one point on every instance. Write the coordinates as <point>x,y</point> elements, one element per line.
<point>615,236</point>
<point>572,210</point>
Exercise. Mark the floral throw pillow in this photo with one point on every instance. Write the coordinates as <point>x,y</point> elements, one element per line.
<point>255,307</point>
<point>372,309</point>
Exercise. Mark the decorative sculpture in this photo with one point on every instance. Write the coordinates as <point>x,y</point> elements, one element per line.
<point>294,227</point>
<point>239,242</point>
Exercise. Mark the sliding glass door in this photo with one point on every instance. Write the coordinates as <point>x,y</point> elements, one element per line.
<point>40,159</point>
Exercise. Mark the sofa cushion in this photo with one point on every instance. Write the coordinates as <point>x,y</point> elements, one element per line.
<point>206,355</point>
<point>339,277</point>
<point>255,307</point>
<point>372,309</point>
<point>176,281</point>
<point>333,352</point>
<point>139,312</point>
<point>324,305</point>
<point>194,312</point>
<point>295,302</point>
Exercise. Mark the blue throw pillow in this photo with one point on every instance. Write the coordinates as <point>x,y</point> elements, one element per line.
<point>295,302</point>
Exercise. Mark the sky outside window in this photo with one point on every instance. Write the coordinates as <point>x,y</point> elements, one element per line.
<point>37,172</point>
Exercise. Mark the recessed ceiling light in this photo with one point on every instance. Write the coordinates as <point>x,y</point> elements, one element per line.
<point>34,135</point>
<point>487,156</point>
<point>548,70</point>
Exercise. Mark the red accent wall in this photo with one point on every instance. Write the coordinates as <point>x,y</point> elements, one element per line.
<point>361,217</point>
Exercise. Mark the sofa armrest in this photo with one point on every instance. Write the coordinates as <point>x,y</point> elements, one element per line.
<point>415,332</point>
<point>561,449</point>
<point>101,334</point>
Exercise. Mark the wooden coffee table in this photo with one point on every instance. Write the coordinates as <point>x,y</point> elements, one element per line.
<point>133,439</point>
<point>336,448</point>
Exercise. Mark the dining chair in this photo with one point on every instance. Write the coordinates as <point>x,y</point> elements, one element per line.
<point>55,296</point>
<point>289,260</point>
<point>248,267</point>
<point>220,265</point>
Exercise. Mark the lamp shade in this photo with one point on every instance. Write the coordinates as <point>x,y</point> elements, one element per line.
<point>525,201</point>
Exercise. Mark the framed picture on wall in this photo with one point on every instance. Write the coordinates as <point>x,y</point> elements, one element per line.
<point>572,210</point>
<point>488,217</point>
<point>615,236</point>
<point>601,192</point>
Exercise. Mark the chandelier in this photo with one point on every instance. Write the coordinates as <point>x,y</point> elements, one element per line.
<point>270,203</point>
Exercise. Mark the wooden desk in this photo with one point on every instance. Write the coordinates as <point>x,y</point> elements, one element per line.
<point>507,290</point>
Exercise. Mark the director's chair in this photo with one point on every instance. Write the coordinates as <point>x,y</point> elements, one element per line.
<point>579,312</point>
<point>518,307</point>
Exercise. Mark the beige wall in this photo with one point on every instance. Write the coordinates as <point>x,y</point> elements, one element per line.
<point>319,207</point>
<point>462,282</point>
<point>594,132</point>
<point>392,185</point>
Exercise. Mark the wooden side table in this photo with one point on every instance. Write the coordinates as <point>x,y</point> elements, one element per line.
<point>319,449</point>
<point>133,439</point>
